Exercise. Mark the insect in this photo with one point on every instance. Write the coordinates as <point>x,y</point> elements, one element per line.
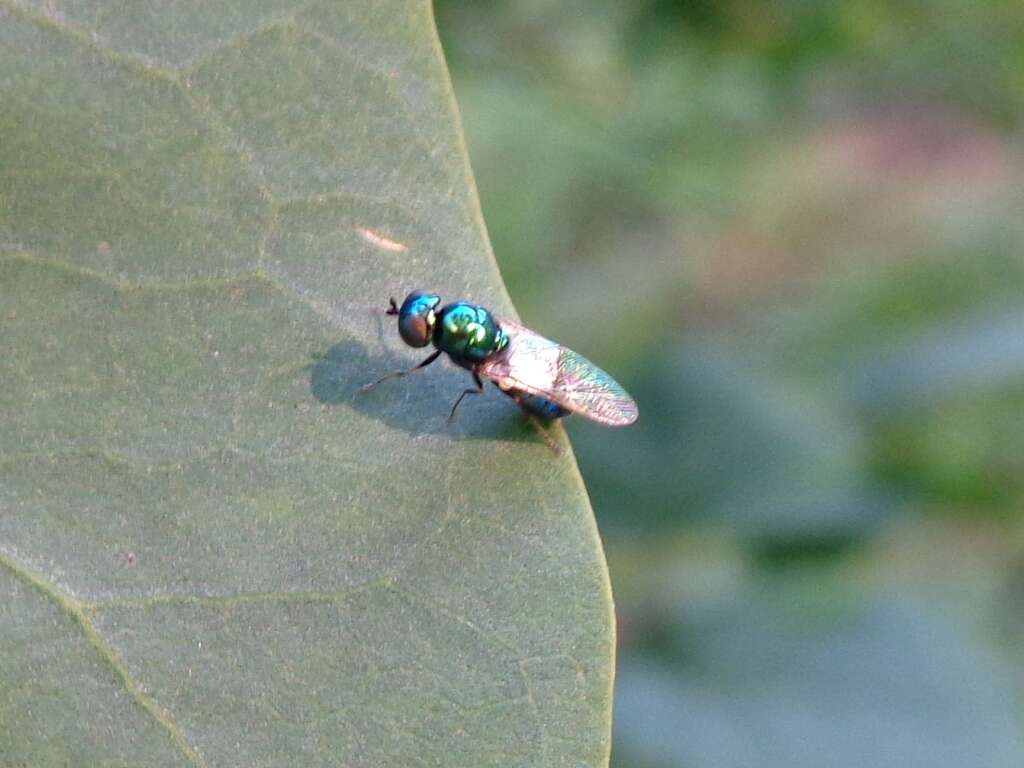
<point>547,380</point>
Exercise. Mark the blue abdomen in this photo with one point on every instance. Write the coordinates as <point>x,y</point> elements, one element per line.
<point>541,407</point>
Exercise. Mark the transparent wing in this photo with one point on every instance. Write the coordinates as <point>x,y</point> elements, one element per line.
<point>542,367</point>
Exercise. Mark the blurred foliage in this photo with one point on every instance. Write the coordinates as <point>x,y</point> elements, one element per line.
<point>795,231</point>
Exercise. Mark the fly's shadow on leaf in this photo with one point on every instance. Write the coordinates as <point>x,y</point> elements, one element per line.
<point>418,403</point>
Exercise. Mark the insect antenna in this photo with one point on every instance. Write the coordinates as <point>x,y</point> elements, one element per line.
<point>393,309</point>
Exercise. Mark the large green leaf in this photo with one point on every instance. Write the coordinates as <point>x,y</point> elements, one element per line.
<point>212,550</point>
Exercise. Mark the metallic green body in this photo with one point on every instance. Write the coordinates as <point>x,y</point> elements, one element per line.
<point>467,333</point>
<point>546,379</point>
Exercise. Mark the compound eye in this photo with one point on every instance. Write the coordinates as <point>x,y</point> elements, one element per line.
<point>416,318</point>
<point>415,330</point>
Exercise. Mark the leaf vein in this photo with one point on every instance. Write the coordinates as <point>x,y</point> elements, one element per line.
<point>489,636</point>
<point>335,45</point>
<point>257,274</point>
<point>270,24</point>
<point>235,599</point>
<point>90,38</point>
<point>77,612</point>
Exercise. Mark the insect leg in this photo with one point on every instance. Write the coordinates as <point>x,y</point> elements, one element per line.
<point>478,391</point>
<point>538,425</point>
<point>544,434</point>
<point>396,374</point>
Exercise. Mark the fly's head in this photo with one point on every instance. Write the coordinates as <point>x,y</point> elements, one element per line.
<point>416,317</point>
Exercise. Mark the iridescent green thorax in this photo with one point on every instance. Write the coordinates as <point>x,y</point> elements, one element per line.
<point>468,333</point>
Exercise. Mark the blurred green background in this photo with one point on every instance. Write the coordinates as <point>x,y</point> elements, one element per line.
<point>795,232</point>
